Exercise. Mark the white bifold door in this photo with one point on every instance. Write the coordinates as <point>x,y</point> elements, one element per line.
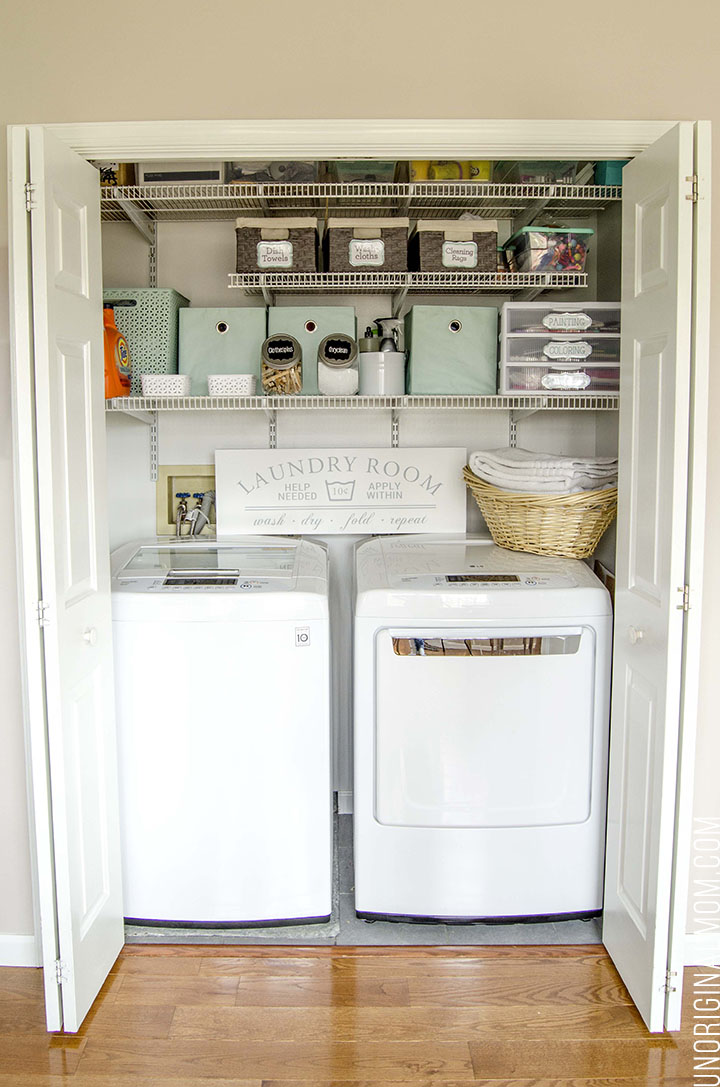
<point>74,572</point>
<point>645,865</point>
<point>647,856</point>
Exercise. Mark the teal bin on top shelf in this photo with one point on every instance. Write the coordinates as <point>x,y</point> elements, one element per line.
<point>452,350</point>
<point>610,172</point>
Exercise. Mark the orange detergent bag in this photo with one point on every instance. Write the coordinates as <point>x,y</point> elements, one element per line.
<point>117,357</point>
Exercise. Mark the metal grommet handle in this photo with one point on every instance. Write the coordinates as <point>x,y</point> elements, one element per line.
<point>455,326</point>
<point>221,327</point>
<point>310,326</point>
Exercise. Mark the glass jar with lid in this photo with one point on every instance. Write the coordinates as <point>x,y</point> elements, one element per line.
<point>337,365</point>
<point>281,357</point>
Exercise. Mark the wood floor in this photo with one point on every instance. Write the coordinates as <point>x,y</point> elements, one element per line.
<point>421,1017</point>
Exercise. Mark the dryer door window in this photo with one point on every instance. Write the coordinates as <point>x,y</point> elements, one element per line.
<point>490,728</point>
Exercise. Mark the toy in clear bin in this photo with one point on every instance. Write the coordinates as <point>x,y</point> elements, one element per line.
<point>549,249</point>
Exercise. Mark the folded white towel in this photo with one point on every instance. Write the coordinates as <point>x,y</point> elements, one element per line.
<point>543,473</point>
<point>546,465</point>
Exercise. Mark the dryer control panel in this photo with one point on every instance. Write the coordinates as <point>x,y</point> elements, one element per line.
<point>484,580</point>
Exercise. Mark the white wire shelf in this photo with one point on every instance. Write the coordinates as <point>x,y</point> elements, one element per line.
<point>138,406</point>
<point>425,200</point>
<point>391,282</point>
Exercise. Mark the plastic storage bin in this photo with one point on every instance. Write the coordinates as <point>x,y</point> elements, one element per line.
<point>549,249</point>
<point>452,349</point>
<point>362,171</point>
<point>585,349</point>
<point>610,173</point>
<point>148,319</point>
<point>536,172</point>
<point>309,325</point>
<point>220,341</point>
<point>438,245</point>
<point>231,384</point>
<point>556,318</point>
<point>366,245</point>
<point>264,172</point>
<point>563,379</point>
<point>165,384</point>
<point>276,245</point>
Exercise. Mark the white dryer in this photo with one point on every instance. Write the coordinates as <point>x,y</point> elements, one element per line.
<point>482,681</point>
<point>222,677</point>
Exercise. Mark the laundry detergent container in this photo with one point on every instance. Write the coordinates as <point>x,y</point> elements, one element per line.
<point>148,319</point>
<point>220,341</point>
<point>452,349</point>
<point>310,325</point>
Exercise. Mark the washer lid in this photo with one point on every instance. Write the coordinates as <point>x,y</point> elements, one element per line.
<point>245,560</point>
<point>263,563</point>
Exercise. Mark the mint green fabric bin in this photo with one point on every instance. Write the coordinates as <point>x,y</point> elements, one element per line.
<point>310,325</point>
<point>225,340</point>
<point>452,349</point>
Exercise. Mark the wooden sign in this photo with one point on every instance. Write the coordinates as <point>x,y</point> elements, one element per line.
<point>339,491</point>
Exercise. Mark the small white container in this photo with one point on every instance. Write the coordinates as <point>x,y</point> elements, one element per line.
<point>382,373</point>
<point>231,384</point>
<point>165,384</point>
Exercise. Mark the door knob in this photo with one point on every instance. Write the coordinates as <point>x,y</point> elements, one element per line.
<point>635,635</point>
<point>90,635</point>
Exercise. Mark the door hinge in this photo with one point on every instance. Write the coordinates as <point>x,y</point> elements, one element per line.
<point>685,606</point>
<point>30,204</point>
<point>669,987</point>
<point>693,194</point>
<point>41,610</point>
<point>61,972</point>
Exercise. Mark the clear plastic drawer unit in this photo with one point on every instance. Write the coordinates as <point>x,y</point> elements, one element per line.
<point>569,347</point>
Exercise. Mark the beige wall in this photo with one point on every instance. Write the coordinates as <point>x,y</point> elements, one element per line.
<point>82,61</point>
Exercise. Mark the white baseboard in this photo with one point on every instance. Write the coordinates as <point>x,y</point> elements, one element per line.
<point>18,951</point>
<point>702,949</point>
<point>345,802</point>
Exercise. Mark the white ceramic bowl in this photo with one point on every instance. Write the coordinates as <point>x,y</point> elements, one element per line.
<point>231,384</point>
<point>165,384</point>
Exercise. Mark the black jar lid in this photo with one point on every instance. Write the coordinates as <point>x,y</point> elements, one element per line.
<point>281,351</point>
<point>338,351</point>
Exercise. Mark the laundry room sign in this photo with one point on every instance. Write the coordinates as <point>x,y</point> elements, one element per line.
<point>339,491</point>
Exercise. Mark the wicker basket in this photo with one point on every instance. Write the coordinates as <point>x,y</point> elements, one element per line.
<point>366,245</point>
<point>439,245</point>
<point>276,245</point>
<point>569,525</point>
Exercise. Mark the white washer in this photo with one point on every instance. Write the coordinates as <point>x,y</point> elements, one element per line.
<point>481,731</point>
<point>222,678</point>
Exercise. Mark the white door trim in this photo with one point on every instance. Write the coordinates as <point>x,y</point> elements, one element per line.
<point>683,946</point>
<point>322,139</point>
<point>32,669</point>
